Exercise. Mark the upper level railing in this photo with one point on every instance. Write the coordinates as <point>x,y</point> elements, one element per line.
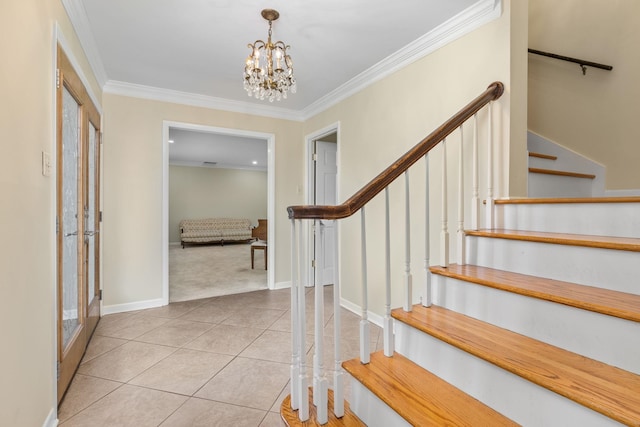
<point>583,63</point>
<point>322,216</point>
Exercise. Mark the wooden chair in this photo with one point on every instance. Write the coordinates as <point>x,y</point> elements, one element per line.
<point>260,234</point>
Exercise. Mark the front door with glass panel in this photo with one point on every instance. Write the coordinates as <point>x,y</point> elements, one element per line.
<point>77,219</point>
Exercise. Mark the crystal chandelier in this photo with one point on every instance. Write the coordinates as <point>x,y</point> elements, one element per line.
<point>268,72</point>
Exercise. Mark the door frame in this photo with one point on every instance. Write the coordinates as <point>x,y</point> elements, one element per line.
<point>51,153</point>
<point>271,155</point>
<point>309,187</point>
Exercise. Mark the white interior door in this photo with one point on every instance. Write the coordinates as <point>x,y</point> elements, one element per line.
<point>326,170</point>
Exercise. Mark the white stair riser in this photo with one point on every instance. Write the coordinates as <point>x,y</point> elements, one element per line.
<point>536,162</point>
<point>371,410</point>
<point>576,218</point>
<point>603,268</point>
<point>543,185</point>
<point>593,335</point>
<point>522,401</point>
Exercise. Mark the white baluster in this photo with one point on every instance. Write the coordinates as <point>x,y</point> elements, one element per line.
<point>387,322</point>
<point>303,382</point>
<point>295,335</point>
<point>364,322</point>
<point>427,273</point>
<point>408,279</point>
<point>460,231</point>
<point>475,199</point>
<point>444,234</point>
<point>320,384</point>
<point>490,202</point>
<point>338,373</point>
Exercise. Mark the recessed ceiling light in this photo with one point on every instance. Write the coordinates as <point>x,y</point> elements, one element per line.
<point>254,162</point>
<point>171,141</point>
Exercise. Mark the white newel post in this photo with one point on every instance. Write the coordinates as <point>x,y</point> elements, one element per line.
<point>364,322</point>
<point>303,382</point>
<point>475,199</point>
<point>460,231</point>
<point>408,279</point>
<point>444,234</point>
<point>490,202</point>
<point>295,335</point>
<point>427,247</point>
<point>387,322</point>
<point>320,384</point>
<point>338,373</point>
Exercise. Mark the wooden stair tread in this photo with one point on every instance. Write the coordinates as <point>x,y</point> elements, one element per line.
<point>604,242</point>
<point>542,156</point>
<point>562,173</point>
<point>420,397</point>
<point>613,303</point>
<point>561,200</point>
<point>606,389</point>
<point>290,417</point>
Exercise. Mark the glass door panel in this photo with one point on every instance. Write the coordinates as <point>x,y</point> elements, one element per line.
<point>71,309</point>
<point>90,226</point>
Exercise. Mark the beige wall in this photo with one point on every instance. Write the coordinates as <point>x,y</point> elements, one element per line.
<point>27,255</point>
<point>132,226</point>
<point>595,114</point>
<point>197,192</point>
<point>380,123</point>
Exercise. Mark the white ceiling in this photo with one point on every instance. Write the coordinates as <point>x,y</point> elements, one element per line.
<point>201,148</point>
<point>196,49</point>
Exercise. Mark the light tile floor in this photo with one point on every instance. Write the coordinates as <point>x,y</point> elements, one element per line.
<point>220,361</point>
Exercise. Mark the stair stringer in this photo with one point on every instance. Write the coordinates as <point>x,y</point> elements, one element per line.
<point>518,399</point>
<point>594,335</point>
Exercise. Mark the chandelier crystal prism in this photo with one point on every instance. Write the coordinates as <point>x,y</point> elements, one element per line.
<point>268,71</point>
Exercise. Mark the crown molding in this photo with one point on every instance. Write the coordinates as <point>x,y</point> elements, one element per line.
<point>477,15</point>
<point>80,22</point>
<point>197,100</point>
<point>201,164</point>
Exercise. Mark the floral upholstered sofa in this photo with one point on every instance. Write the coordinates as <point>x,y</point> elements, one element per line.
<point>214,230</point>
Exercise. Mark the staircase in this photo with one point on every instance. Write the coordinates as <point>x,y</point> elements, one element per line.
<point>555,171</point>
<point>532,327</point>
<point>538,324</point>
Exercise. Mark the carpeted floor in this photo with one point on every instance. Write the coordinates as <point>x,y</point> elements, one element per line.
<point>197,272</point>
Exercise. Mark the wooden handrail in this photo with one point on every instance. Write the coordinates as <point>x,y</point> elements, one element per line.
<point>583,64</point>
<point>380,182</point>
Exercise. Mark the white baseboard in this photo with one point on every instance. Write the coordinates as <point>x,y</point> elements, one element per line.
<point>282,285</point>
<point>356,309</point>
<point>52,419</point>
<point>131,306</point>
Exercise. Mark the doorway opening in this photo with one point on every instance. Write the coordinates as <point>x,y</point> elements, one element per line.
<point>209,172</point>
<point>322,189</point>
